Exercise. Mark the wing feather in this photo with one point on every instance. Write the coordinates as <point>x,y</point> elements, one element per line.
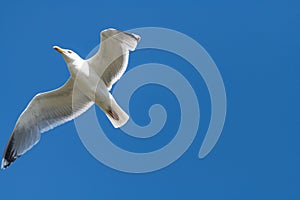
<point>110,62</point>
<point>44,112</point>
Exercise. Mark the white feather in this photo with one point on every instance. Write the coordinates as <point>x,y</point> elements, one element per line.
<point>94,78</point>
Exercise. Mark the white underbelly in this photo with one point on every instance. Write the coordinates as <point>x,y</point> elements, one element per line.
<point>89,83</point>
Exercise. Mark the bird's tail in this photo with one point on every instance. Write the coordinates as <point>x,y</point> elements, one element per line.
<point>117,116</point>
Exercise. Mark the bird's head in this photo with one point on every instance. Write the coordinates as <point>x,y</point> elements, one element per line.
<point>70,56</point>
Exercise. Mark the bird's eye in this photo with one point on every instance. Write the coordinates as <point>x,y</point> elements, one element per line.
<point>69,51</point>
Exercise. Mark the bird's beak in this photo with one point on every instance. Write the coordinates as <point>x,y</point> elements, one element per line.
<point>57,48</point>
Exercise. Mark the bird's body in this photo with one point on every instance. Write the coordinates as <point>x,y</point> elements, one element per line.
<point>91,79</point>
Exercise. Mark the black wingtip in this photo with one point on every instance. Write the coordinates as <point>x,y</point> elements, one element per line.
<point>9,155</point>
<point>5,164</point>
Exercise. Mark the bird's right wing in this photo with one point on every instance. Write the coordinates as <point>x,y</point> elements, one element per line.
<point>45,111</point>
<point>110,62</point>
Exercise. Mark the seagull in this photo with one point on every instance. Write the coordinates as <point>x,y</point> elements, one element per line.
<point>91,79</point>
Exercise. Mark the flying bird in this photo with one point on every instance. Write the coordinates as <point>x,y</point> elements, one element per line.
<point>92,78</point>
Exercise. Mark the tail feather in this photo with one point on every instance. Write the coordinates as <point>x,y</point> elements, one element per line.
<point>117,116</point>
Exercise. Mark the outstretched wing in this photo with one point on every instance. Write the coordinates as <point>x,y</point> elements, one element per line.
<point>111,60</point>
<point>44,112</point>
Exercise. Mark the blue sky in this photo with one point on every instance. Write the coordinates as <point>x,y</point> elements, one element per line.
<point>255,46</point>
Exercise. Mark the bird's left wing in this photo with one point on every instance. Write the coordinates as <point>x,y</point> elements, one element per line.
<point>44,112</point>
<point>111,60</point>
